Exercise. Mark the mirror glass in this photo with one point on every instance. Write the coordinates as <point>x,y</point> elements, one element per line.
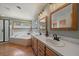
<point>42,24</point>
<point>62,18</point>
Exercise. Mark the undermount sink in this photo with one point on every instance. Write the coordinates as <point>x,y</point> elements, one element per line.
<point>55,42</point>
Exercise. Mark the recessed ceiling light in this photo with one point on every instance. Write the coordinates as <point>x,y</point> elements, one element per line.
<point>7,8</point>
<point>18,7</point>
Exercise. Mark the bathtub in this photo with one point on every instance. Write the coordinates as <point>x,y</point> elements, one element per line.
<point>21,39</point>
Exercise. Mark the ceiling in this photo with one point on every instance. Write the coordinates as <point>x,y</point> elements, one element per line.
<point>26,11</point>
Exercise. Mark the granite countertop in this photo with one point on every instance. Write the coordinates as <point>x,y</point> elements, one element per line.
<point>70,49</point>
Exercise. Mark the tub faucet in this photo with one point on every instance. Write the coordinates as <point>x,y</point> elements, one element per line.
<point>55,37</point>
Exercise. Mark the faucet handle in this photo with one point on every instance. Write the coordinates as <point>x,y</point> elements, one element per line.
<point>58,38</point>
<point>54,35</point>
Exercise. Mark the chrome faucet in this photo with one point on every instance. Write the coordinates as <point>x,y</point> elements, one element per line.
<point>55,37</point>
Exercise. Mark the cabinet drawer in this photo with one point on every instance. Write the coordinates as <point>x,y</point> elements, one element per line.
<point>42,48</point>
<point>41,54</point>
<point>49,52</point>
<point>42,51</point>
<point>41,44</point>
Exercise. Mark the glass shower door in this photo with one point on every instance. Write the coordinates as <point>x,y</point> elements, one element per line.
<point>1,30</point>
<point>6,30</point>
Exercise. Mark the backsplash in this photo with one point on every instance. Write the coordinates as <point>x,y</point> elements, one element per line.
<point>66,33</point>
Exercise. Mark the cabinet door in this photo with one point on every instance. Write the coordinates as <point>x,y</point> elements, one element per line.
<point>32,42</point>
<point>34,45</point>
<point>49,52</point>
<point>41,49</point>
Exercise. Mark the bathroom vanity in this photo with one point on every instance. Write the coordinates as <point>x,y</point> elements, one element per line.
<point>42,46</point>
<point>41,49</point>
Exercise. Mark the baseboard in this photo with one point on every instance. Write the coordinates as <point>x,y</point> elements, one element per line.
<point>3,42</point>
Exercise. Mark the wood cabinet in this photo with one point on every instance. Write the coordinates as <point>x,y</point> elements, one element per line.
<point>49,52</point>
<point>35,45</point>
<point>41,48</point>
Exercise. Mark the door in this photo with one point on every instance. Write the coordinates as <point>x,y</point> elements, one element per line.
<point>1,30</point>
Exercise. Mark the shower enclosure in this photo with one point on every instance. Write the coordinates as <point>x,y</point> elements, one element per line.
<point>4,30</point>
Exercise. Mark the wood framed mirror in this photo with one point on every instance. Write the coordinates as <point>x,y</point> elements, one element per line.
<point>64,18</point>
